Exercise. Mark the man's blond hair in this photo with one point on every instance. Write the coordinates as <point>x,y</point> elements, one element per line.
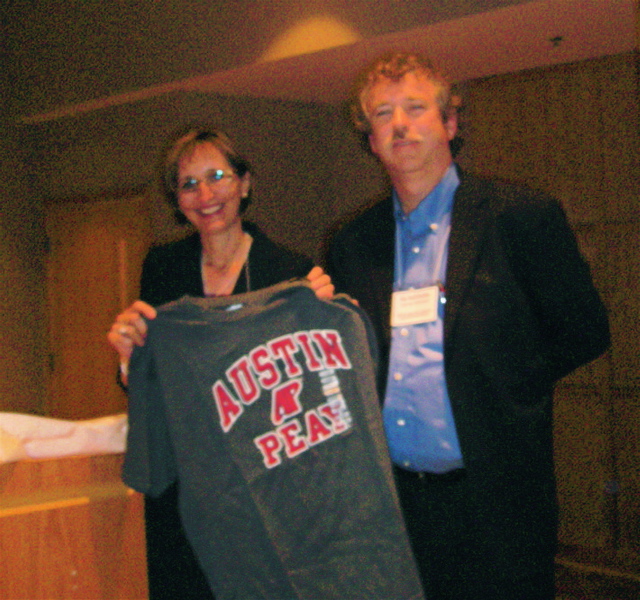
<point>394,66</point>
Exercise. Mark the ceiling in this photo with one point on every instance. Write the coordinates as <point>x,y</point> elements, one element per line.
<point>90,54</point>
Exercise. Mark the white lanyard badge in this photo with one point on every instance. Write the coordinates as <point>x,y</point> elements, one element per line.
<point>410,307</point>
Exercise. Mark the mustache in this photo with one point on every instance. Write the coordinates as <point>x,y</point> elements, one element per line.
<point>402,136</point>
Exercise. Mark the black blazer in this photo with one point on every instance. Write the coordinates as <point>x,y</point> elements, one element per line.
<point>521,312</point>
<point>172,271</point>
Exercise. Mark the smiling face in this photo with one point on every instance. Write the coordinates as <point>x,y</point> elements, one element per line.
<point>407,131</point>
<point>210,202</point>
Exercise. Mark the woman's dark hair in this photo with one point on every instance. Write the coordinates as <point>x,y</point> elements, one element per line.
<point>183,145</point>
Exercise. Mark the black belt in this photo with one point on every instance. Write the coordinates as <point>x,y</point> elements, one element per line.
<point>455,475</point>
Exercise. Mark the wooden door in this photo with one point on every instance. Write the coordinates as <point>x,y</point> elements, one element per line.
<point>93,272</point>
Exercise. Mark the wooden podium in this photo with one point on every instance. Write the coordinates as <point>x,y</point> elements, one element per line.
<point>70,530</point>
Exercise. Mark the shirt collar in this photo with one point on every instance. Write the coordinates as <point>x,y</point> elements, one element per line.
<point>433,206</point>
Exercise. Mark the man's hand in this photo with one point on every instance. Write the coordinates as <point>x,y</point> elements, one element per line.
<point>321,283</point>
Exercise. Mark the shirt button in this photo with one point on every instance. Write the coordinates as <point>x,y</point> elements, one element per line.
<point>416,249</point>
<point>404,332</point>
<point>402,422</point>
<point>397,376</point>
<point>433,227</point>
<point>406,463</point>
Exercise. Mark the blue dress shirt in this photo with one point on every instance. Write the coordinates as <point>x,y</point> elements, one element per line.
<point>417,412</point>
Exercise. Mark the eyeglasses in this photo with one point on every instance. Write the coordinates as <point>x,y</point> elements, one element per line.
<point>212,179</point>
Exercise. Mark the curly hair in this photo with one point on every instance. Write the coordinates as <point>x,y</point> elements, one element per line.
<point>394,66</point>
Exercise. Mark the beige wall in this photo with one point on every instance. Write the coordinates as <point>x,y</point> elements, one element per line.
<point>308,170</point>
<point>306,160</point>
<point>22,312</point>
<point>571,130</point>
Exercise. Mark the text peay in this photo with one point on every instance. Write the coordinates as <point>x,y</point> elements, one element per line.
<point>278,367</point>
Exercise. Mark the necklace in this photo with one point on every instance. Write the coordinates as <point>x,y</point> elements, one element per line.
<point>221,281</point>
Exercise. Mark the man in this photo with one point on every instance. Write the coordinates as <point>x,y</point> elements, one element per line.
<point>481,302</point>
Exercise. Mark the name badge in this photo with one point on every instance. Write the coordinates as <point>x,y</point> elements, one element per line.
<point>410,307</point>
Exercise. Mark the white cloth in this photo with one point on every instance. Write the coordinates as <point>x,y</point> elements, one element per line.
<point>32,437</point>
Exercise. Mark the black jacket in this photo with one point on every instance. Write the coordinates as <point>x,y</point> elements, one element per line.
<point>521,312</point>
<point>172,271</point>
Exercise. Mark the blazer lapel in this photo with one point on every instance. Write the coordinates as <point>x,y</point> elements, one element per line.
<point>381,249</point>
<point>468,223</point>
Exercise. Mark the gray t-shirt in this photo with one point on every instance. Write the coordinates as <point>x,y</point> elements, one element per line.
<point>264,407</point>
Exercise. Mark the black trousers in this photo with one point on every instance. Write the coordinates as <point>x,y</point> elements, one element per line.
<point>448,534</point>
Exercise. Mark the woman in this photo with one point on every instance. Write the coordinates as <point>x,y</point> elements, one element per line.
<point>208,183</point>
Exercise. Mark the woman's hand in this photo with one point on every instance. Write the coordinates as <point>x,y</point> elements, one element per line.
<point>321,283</point>
<point>130,330</point>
